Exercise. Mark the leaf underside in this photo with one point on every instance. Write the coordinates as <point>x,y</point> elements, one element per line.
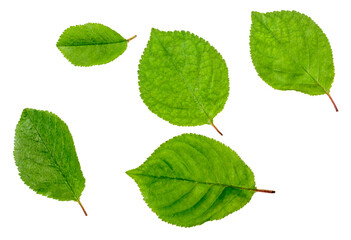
<point>46,158</point>
<point>291,52</point>
<point>91,44</point>
<point>182,78</point>
<point>191,179</point>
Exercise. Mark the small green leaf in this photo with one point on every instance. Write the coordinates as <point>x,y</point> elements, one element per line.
<point>91,44</point>
<point>291,52</point>
<point>182,78</point>
<point>191,179</point>
<point>46,157</point>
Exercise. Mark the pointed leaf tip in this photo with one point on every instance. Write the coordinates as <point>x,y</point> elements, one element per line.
<point>91,44</point>
<point>45,156</point>
<point>191,179</point>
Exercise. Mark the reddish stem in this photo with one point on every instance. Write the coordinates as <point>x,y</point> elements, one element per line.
<point>80,204</point>
<point>216,128</point>
<point>336,108</point>
<point>264,190</point>
<point>257,190</point>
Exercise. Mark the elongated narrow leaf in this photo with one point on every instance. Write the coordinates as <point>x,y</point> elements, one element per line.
<point>91,44</point>
<point>46,157</point>
<point>291,52</point>
<point>192,179</point>
<point>182,78</point>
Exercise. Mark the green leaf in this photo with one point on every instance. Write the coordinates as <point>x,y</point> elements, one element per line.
<point>91,44</point>
<point>291,52</point>
<point>182,78</point>
<point>46,157</point>
<point>192,179</point>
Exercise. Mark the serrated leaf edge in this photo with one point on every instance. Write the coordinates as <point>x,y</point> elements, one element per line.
<point>78,25</point>
<point>153,30</point>
<point>20,174</point>
<point>317,83</point>
<point>129,173</point>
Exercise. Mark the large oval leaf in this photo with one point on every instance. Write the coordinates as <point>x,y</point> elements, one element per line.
<point>46,157</point>
<point>182,78</point>
<point>291,52</point>
<point>192,179</point>
<point>91,44</point>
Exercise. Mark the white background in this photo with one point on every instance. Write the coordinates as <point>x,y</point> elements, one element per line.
<point>295,144</point>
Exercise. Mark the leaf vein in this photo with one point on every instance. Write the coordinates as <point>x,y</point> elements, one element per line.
<point>64,176</point>
<point>184,79</point>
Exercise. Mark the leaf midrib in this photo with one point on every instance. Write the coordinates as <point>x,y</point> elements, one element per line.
<point>191,180</point>
<point>288,53</point>
<point>51,155</point>
<point>184,79</point>
<point>91,44</point>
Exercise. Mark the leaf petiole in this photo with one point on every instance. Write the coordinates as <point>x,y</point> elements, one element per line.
<point>80,204</point>
<point>256,190</point>
<point>336,108</point>
<point>129,39</point>
<point>264,190</point>
<point>216,128</point>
